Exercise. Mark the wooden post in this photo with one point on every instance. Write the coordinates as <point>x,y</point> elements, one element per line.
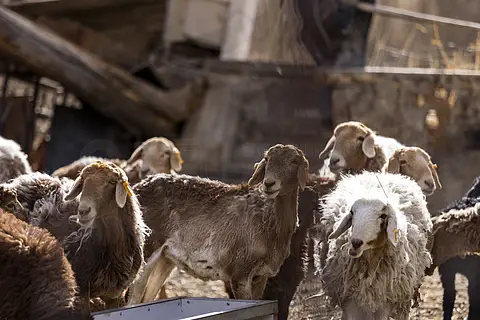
<point>138,106</point>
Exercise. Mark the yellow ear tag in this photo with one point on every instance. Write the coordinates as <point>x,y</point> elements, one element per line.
<point>127,188</point>
<point>435,166</point>
<point>395,233</point>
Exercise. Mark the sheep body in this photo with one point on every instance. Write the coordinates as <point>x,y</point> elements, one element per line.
<point>36,279</point>
<point>13,161</point>
<point>385,275</point>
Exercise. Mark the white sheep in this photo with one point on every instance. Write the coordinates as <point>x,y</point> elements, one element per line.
<point>13,161</point>
<point>376,268</point>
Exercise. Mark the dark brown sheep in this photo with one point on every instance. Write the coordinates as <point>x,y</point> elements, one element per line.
<point>102,231</point>
<point>155,155</point>
<point>217,231</point>
<point>36,278</point>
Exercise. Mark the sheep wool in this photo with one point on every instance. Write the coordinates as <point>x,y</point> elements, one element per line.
<point>387,275</point>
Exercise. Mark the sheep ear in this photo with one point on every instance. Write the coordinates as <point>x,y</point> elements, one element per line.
<point>368,146</point>
<point>135,155</point>
<point>435,174</point>
<point>258,174</point>
<point>121,193</point>
<point>302,174</point>
<point>393,164</point>
<point>176,160</point>
<point>76,189</point>
<point>396,225</point>
<point>342,227</point>
<point>324,154</point>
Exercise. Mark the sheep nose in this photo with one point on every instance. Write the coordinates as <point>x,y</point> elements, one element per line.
<point>334,161</point>
<point>84,211</point>
<point>269,183</point>
<point>356,243</point>
<point>430,184</point>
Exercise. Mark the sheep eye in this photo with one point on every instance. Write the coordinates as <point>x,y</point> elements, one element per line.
<point>351,212</point>
<point>383,216</point>
<point>113,182</point>
<point>361,139</point>
<point>403,162</point>
<point>10,206</point>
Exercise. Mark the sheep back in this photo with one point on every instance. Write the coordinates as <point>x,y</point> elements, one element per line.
<point>383,275</point>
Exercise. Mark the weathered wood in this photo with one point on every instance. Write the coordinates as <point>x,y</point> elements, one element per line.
<point>102,46</point>
<point>138,106</point>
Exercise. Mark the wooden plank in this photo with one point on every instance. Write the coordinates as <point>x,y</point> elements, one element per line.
<point>102,46</point>
<point>112,91</point>
<point>42,7</point>
<point>412,15</point>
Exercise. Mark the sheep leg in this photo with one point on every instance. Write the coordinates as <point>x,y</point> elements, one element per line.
<point>283,306</point>
<point>447,276</point>
<point>350,311</point>
<point>162,294</point>
<point>473,297</point>
<point>242,288</point>
<point>258,287</point>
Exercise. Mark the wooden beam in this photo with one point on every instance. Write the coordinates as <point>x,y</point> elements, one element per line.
<point>411,15</point>
<point>112,91</point>
<point>51,7</point>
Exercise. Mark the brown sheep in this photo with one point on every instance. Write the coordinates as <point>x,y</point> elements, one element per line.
<point>13,162</point>
<point>215,231</point>
<point>155,155</point>
<point>283,286</point>
<point>105,246</point>
<point>417,164</point>
<point>37,280</point>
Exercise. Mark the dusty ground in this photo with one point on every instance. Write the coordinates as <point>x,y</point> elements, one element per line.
<point>317,308</point>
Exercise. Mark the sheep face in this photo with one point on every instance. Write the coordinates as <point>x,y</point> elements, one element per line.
<point>283,168</point>
<point>158,155</point>
<point>351,145</point>
<point>417,164</point>
<point>374,222</point>
<point>99,183</point>
<point>9,202</point>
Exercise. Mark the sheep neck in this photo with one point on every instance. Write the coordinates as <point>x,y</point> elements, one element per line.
<point>111,227</point>
<point>286,211</point>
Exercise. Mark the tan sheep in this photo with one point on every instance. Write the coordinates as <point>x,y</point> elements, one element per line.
<point>155,155</point>
<point>417,164</point>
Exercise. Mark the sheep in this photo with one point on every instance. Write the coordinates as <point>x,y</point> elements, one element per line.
<point>215,231</point>
<point>13,161</point>
<point>37,280</point>
<point>417,164</point>
<point>468,266</point>
<point>105,245</point>
<point>155,155</point>
<point>283,286</point>
<point>355,147</point>
<point>375,269</point>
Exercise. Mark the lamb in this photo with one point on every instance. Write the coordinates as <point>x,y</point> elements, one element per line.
<point>215,231</point>
<point>105,245</point>
<point>37,280</point>
<point>375,269</point>
<point>155,155</point>
<point>355,147</point>
<point>13,162</point>
<point>283,286</point>
<point>468,266</point>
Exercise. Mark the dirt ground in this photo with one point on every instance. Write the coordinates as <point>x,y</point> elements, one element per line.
<point>317,308</point>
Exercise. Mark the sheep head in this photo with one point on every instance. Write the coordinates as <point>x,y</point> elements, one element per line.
<point>373,222</point>
<point>99,183</point>
<point>9,202</point>
<point>350,146</point>
<point>417,164</point>
<point>282,169</point>
<point>158,155</point>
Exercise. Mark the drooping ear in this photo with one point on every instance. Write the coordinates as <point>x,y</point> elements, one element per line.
<point>302,174</point>
<point>342,227</point>
<point>76,189</point>
<point>121,193</point>
<point>258,174</point>
<point>330,144</point>
<point>176,160</point>
<point>137,154</point>
<point>435,174</point>
<point>396,225</point>
<point>368,146</point>
<point>394,164</point>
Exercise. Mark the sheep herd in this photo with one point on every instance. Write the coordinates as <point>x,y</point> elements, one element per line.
<point>105,233</point>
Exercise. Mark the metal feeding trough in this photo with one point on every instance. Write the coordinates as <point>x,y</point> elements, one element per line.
<point>194,308</point>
